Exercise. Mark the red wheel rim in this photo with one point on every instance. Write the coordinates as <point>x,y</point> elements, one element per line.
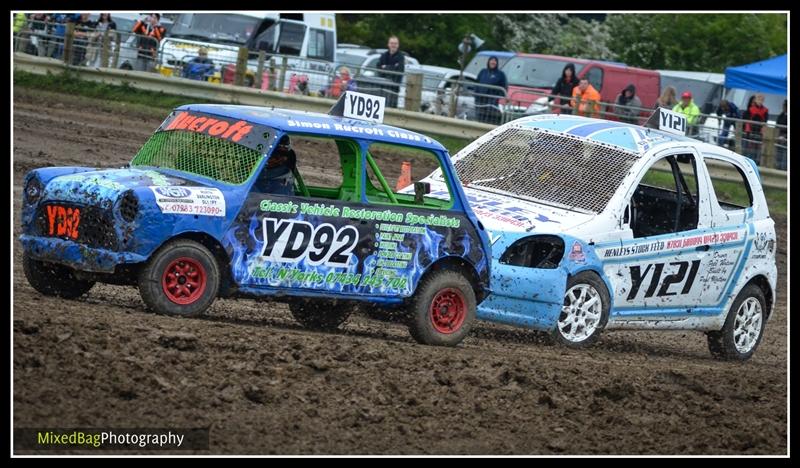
<point>184,280</point>
<point>448,310</point>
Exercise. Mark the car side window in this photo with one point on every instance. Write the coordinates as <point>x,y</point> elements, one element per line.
<point>595,77</point>
<point>312,167</point>
<point>730,184</point>
<point>392,173</point>
<point>666,199</point>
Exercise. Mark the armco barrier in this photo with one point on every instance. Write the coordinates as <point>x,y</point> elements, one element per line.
<point>241,95</point>
<point>417,121</point>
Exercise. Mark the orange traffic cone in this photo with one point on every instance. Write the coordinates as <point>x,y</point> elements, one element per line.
<point>405,176</point>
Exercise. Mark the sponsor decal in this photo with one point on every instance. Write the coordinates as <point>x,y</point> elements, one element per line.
<point>63,221</point>
<point>652,273</point>
<point>360,130</point>
<point>672,244</point>
<point>215,127</point>
<point>201,201</point>
<point>760,242</point>
<point>576,253</point>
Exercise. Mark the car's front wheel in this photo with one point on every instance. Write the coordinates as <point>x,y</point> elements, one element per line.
<point>181,278</point>
<point>743,329</point>
<point>584,313</point>
<point>442,310</point>
<point>52,279</point>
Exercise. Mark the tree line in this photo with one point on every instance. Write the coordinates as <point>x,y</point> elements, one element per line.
<point>695,42</point>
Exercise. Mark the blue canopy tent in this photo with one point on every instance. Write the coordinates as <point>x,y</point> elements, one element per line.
<point>766,76</point>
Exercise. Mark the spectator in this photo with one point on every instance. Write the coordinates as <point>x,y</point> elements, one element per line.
<point>563,88</point>
<point>667,98</point>
<point>689,109</point>
<point>104,23</point>
<point>38,29</point>
<point>298,84</point>
<point>200,67</point>
<point>780,148</point>
<point>485,100</point>
<point>150,33</point>
<point>84,27</point>
<point>343,83</point>
<point>21,33</point>
<point>59,31</point>
<point>393,61</point>
<point>752,131</point>
<point>585,99</point>
<point>730,111</point>
<point>629,99</point>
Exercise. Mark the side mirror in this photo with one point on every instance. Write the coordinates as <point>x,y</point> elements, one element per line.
<point>420,190</point>
<point>626,217</point>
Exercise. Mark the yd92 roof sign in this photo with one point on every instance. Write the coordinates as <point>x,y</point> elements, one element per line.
<point>364,106</point>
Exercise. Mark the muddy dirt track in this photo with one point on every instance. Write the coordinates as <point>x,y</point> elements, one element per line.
<point>264,385</point>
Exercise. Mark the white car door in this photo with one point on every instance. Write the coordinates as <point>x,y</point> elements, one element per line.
<point>655,268</point>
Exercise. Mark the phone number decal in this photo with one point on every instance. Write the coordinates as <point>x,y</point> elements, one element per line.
<point>190,200</point>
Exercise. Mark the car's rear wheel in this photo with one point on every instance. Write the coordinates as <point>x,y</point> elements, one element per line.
<point>743,329</point>
<point>442,311</point>
<point>584,313</point>
<point>182,278</point>
<point>320,315</point>
<point>52,279</point>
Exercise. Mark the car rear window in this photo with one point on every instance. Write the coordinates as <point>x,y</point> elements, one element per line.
<point>559,170</point>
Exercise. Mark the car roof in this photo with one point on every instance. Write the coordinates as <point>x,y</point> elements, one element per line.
<point>716,78</point>
<point>498,53</point>
<point>632,138</point>
<point>314,123</point>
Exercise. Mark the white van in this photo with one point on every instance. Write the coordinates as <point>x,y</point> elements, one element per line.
<point>309,38</point>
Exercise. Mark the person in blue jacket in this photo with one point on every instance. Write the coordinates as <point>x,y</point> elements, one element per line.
<point>486,97</point>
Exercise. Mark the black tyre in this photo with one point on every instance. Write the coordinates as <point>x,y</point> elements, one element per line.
<point>442,311</point>
<point>743,328</point>
<point>320,315</point>
<point>52,279</point>
<point>181,278</point>
<point>584,313</point>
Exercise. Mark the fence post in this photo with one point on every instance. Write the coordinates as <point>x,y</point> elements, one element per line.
<point>768,147</point>
<point>104,52</point>
<point>738,128</point>
<point>115,60</point>
<point>241,67</point>
<point>273,78</point>
<point>284,66</point>
<point>69,35</point>
<point>260,68</point>
<point>413,92</point>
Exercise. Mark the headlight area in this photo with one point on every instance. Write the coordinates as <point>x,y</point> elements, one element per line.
<point>542,251</point>
<point>128,206</point>
<point>33,191</point>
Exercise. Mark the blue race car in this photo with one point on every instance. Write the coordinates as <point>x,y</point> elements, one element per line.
<point>215,204</point>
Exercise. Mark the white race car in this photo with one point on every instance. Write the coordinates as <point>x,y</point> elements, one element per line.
<point>603,225</point>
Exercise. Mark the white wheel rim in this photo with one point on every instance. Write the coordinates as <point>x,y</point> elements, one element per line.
<point>580,314</point>
<point>747,326</point>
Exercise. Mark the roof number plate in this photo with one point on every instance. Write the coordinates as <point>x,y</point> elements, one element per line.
<point>364,106</point>
<point>671,122</point>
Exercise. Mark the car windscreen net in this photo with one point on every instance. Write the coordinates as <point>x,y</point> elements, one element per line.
<point>200,154</point>
<point>550,168</point>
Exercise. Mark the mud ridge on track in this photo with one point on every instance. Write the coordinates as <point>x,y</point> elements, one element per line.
<point>264,385</point>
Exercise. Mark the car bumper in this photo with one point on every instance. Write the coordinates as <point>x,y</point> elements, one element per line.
<point>75,255</point>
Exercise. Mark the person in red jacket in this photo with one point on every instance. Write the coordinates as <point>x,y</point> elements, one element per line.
<point>756,112</point>
<point>149,32</point>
